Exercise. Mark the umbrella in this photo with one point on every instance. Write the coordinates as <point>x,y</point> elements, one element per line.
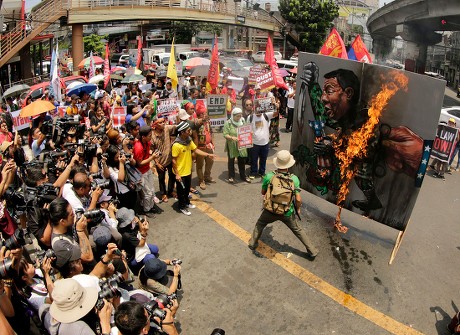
<point>15,90</point>
<point>200,71</point>
<point>36,107</point>
<point>116,77</point>
<point>118,69</point>
<point>284,73</point>
<point>133,78</point>
<point>294,70</point>
<point>195,61</point>
<point>85,88</point>
<point>96,79</point>
<point>85,62</point>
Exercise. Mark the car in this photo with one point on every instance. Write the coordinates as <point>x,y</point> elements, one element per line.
<point>232,64</point>
<point>286,64</point>
<point>36,91</point>
<point>259,56</point>
<point>245,63</point>
<point>450,112</point>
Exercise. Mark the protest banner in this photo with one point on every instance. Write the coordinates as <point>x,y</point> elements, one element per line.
<point>19,122</point>
<point>444,143</point>
<point>216,104</point>
<point>265,80</point>
<point>166,108</point>
<point>118,116</point>
<point>245,136</point>
<point>264,105</point>
<point>254,72</point>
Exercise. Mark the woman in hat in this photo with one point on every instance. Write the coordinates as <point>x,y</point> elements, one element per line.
<point>231,146</point>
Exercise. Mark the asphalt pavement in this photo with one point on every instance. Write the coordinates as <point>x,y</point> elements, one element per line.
<point>349,289</point>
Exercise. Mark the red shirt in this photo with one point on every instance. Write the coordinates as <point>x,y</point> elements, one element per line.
<point>141,152</point>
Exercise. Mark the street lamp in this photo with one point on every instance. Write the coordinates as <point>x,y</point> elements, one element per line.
<point>257,7</point>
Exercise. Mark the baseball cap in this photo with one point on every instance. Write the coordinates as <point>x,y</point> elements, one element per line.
<point>66,252</point>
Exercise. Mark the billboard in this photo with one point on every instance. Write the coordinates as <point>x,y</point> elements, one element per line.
<point>363,134</point>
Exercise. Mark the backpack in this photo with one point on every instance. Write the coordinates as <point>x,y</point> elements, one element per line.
<point>133,178</point>
<point>280,194</point>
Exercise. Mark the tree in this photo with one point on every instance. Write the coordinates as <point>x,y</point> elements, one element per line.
<point>183,31</point>
<point>311,19</point>
<point>93,43</point>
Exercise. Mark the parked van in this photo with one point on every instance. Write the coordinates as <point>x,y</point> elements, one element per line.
<point>161,59</point>
<point>188,54</point>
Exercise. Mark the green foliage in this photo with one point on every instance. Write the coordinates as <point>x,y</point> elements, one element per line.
<point>311,19</point>
<point>93,43</point>
<point>185,30</point>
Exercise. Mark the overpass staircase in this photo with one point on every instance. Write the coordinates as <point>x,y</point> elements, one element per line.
<point>14,40</point>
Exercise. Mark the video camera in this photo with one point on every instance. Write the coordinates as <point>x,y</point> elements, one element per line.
<point>20,199</point>
<point>56,130</point>
<point>109,289</point>
<point>153,310</point>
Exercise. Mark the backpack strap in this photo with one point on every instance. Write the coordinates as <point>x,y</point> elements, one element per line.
<point>61,237</point>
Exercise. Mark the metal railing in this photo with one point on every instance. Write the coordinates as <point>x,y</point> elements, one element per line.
<point>23,32</point>
<point>216,7</point>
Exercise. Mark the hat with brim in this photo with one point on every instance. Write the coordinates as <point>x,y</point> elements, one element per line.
<point>71,301</point>
<point>125,216</point>
<point>155,268</point>
<point>104,197</point>
<point>5,145</point>
<point>283,160</point>
<point>183,115</point>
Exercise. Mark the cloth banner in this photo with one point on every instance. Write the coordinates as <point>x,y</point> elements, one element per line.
<point>245,136</point>
<point>444,143</point>
<point>217,113</point>
<point>19,122</point>
<point>118,116</point>
<point>358,51</point>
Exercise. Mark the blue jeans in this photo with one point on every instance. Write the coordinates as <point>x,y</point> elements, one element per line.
<point>154,254</point>
<point>259,154</point>
<point>453,156</point>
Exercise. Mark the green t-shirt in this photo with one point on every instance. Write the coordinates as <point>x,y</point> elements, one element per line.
<point>266,181</point>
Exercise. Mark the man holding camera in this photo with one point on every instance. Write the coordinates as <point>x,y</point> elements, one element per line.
<point>77,193</point>
<point>39,142</point>
<point>132,318</point>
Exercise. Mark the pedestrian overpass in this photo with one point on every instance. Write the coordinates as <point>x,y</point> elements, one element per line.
<point>79,12</point>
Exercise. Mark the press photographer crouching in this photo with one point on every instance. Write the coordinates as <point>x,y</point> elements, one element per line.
<point>132,318</point>
<point>156,278</point>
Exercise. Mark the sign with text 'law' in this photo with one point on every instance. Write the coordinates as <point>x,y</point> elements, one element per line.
<point>216,105</point>
<point>19,122</point>
<point>444,143</point>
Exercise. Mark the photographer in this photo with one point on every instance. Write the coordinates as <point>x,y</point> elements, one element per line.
<point>77,193</point>
<point>136,113</point>
<point>39,143</point>
<point>131,318</point>
<point>99,123</point>
<point>62,219</point>
<point>7,224</point>
<point>73,310</point>
<point>156,278</point>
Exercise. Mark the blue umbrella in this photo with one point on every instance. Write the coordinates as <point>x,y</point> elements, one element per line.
<point>82,88</point>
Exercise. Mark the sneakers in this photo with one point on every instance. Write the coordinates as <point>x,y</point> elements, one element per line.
<point>251,177</point>
<point>231,180</point>
<point>191,206</point>
<point>247,180</point>
<point>253,246</point>
<point>185,211</point>
<point>203,185</point>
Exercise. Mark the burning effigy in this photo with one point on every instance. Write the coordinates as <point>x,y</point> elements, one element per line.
<point>362,135</point>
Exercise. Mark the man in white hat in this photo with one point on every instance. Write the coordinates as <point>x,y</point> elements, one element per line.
<point>282,201</point>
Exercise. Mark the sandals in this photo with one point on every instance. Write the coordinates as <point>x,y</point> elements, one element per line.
<point>164,198</point>
<point>194,191</point>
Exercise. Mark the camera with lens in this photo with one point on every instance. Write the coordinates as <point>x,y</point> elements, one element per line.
<point>153,310</point>
<point>42,254</point>
<point>96,175</point>
<point>165,300</point>
<point>176,262</point>
<point>40,195</point>
<point>15,198</point>
<point>127,156</point>
<point>6,268</point>
<point>109,289</point>
<point>95,215</point>
<point>102,183</point>
<point>19,238</point>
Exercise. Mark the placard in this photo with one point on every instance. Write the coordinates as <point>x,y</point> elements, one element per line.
<point>118,116</point>
<point>444,143</point>
<point>19,122</point>
<point>264,105</point>
<point>216,106</point>
<point>245,136</point>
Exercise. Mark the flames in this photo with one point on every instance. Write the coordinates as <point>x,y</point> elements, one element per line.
<point>350,148</point>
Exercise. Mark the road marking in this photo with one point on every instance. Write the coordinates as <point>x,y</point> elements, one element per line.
<point>383,321</point>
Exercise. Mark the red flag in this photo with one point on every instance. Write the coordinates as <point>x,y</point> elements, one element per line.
<point>362,55</point>
<point>139,51</point>
<point>106,66</point>
<point>213,73</point>
<point>270,60</point>
<point>23,14</point>
<point>334,46</point>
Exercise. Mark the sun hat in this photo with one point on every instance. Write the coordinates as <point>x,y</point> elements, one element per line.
<point>155,268</point>
<point>183,115</point>
<point>125,216</point>
<point>183,125</point>
<point>5,145</point>
<point>71,301</point>
<point>66,252</point>
<point>104,197</point>
<point>283,160</point>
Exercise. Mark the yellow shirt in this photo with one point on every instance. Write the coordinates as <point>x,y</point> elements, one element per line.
<point>72,110</point>
<point>183,155</point>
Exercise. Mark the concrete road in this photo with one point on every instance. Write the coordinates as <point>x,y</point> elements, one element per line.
<point>349,289</point>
